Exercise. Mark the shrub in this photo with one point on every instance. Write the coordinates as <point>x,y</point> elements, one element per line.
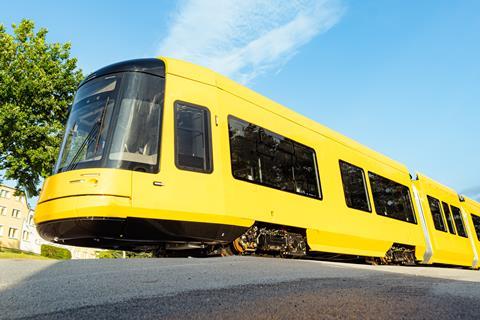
<point>55,252</point>
<point>109,254</point>
<point>118,254</point>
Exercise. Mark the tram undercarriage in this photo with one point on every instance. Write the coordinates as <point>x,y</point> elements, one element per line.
<point>279,241</point>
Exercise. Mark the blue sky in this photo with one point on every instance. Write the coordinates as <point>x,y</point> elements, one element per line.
<point>402,77</point>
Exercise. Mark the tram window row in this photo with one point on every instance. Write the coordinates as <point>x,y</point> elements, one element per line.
<point>263,157</point>
<point>391,199</point>
<point>438,217</point>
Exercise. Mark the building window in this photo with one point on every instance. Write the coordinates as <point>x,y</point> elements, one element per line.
<point>263,157</point>
<point>476,225</point>
<point>391,199</point>
<point>1,230</point>
<point>26,236</point>
<point>448,216</point>
<point>15,213</point>
<point>30,219</point>
<point>4,193</point>
<point>457,218</point>
<point>436,213</point>
<point>3,211</point>
<point>192,138</point>
<point>354,187</point>
<point>12,233</point>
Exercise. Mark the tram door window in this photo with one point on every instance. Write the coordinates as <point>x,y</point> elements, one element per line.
<point>476,225</point>
<point>354,187</point>
<point>192,138</point>
<point>436,213</point>
<point>448,215</point>
<point>457,218</point>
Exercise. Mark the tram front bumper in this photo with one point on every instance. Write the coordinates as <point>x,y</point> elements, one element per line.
<point>109,222</point>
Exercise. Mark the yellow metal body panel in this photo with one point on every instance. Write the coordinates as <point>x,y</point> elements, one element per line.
<point>87,182</point>
<point>472,207</point>
<point>447,248</point>
<point>85,193</point>
<point>83,206</point>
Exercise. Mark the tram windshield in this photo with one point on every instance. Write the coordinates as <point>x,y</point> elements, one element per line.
<point>114,123</point>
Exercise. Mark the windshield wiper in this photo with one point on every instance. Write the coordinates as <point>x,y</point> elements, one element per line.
<point>102,124</point>
<point>96,129</point>
<point>88,140</point>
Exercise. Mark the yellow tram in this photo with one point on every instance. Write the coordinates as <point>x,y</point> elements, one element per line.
<point>164,155</point>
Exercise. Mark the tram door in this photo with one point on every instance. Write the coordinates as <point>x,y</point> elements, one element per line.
<point>188,183</point>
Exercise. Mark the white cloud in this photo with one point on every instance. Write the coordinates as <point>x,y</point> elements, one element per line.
<point>245,38</point>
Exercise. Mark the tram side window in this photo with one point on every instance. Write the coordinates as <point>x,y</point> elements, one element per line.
<point>391,199</point>
<point>264,157</point>
<point>448,215</point>
<point>305,172</point>
<point>457,218</point>
<point>243,145</point>
<point>354,187</point>
<point>476,225</point>
<point>192,138</point>
<point>276,160</point>
<point>436,213</point>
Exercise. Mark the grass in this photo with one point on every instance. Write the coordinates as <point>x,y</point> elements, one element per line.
<point>6,254</point>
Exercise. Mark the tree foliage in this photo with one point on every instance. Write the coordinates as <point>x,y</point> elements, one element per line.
<point>37,84</point>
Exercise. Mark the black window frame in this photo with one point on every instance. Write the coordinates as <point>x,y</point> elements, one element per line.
<point>123,71</point>
<point>464,228</point>
<point>443,227</point>
<point>449,218</point>
<point>365,186</point>
<point>208,140</point>
<point>414,215</point>
<point>476,224</point>
<point>301,145</point>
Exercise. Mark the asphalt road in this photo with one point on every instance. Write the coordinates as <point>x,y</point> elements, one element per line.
<point>233,288</point>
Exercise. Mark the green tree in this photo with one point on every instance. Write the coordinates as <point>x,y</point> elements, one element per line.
<point>37,84</point>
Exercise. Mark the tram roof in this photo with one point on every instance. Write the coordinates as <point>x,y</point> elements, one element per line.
<point>207,76</point>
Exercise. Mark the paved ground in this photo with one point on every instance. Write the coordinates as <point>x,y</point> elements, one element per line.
<point>233,288</point>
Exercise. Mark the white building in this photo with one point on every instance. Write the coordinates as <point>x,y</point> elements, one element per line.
<point>31,240</point>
